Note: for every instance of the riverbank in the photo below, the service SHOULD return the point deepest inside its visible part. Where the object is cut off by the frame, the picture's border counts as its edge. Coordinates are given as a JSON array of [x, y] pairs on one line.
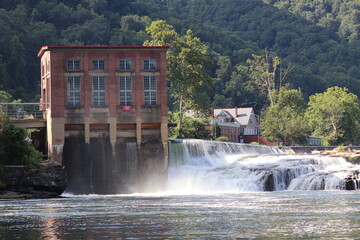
[[46, 180]]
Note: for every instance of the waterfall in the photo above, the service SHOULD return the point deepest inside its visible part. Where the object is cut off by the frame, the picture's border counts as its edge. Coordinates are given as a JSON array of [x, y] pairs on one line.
[[131, 165], [210, 166]]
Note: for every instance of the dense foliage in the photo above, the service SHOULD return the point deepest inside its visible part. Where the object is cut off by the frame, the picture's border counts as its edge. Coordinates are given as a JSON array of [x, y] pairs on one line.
[[318, 40], [284, 121], [335, 116], [187, 61], [192, 127], [15, 149]]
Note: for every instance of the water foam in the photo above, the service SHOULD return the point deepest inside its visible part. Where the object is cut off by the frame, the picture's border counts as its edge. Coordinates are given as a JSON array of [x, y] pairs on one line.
[[208, 166]]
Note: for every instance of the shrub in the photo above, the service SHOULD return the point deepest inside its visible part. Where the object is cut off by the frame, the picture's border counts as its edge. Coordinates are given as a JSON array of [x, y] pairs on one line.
[[15, 149], [222, 138]]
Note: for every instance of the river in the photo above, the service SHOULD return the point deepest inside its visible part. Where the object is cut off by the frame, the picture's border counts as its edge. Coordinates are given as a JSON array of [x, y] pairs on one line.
[[214, 191], [264, 215]]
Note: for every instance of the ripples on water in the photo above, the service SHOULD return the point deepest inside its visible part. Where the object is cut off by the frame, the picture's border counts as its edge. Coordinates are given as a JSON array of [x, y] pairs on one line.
[[265, 215], [184, 215]]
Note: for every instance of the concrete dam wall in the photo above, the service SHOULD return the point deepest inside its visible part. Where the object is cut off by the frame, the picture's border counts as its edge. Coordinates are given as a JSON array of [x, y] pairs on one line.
[[98, 168]]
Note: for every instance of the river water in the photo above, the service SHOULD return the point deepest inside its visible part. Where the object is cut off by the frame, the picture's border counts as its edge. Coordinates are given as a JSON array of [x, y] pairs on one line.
[[214, 191], [261, 215]]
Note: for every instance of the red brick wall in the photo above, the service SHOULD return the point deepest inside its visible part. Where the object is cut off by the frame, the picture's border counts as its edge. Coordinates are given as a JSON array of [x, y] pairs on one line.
[[58, 91], [231, 133], [259, 139]]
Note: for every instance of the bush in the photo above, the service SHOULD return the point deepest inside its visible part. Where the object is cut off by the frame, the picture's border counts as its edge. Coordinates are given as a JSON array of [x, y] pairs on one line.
[[191, 127], [15, 149], [342, 149], [222, 138]]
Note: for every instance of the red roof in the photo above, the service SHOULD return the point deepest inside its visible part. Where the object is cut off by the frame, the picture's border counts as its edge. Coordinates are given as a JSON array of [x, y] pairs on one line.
[[47, 48]]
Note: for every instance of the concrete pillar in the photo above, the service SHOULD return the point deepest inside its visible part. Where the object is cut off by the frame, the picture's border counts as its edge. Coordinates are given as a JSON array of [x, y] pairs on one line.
[[87, 130], [138, 130], [55, 137], [165, 140], [112, 132]]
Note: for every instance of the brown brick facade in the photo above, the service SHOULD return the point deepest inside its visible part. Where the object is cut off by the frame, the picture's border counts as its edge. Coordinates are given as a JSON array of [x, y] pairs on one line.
[[110, 118]]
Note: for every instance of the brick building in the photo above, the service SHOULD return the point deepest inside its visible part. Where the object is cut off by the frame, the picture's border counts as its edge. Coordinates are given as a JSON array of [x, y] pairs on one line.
[[237, 124], [115, 92]]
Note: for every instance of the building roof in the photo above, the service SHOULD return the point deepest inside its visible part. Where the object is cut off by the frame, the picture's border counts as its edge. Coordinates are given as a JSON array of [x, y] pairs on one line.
[[225, 113], [242, 116], [47, 48]]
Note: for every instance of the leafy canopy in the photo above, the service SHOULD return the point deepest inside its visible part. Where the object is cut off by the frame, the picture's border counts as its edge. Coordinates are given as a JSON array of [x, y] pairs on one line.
[[188, 60], [283, 121], [192, 127], [335, 115]]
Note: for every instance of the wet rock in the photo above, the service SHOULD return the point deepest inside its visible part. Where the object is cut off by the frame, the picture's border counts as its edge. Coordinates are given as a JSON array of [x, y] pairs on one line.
[[352, 182], [40, 182], [267, 180]]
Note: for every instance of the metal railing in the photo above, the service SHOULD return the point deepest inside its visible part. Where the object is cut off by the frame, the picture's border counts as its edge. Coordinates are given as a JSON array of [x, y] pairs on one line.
[[17, 111]]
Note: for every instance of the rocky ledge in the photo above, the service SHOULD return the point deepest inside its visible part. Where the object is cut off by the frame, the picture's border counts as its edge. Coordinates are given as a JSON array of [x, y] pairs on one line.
[[350, 154], [20, 182]]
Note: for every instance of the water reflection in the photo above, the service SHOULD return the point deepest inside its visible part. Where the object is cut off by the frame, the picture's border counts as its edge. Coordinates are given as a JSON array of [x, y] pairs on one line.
[[49, 228], [266, 215]]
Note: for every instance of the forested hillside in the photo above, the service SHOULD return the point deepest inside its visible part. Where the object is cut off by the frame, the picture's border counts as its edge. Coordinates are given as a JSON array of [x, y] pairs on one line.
[[319, 39]]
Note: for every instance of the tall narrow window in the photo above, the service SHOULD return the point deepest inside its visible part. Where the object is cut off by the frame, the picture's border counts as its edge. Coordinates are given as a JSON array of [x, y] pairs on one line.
[[98, 65], [125, 91], [150, 90], [73, 65], [150, 64], [73, 93], [125, 65], [98, 88]]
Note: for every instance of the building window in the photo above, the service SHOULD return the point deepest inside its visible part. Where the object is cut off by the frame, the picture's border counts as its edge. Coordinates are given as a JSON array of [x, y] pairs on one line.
[[98, 65], [125, 65], [150, 64], [73, 65], [125, 91], [150, 90], [98, 88], [73, 87]]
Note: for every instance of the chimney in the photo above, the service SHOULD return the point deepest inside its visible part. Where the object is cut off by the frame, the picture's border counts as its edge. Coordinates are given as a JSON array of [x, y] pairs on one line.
[[236, 112]]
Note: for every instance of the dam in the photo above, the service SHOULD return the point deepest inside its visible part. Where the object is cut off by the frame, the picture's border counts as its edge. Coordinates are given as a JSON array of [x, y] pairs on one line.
[[208, 166], [203, 167]]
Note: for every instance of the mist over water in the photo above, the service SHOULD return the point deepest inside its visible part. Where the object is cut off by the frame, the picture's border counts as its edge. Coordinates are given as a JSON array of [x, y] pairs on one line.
[[214, 191]]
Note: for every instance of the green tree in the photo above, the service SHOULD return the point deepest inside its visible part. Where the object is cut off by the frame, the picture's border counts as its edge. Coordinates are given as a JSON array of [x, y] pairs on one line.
[[15, 149], [284, 121], [335, 115], [5, 97], [192, 127], [131, 31], [264, 72], [243, 90], [188, 60]]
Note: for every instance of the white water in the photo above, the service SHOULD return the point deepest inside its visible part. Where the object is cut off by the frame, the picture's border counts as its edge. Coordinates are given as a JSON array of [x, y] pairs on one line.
[[205, 166]]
